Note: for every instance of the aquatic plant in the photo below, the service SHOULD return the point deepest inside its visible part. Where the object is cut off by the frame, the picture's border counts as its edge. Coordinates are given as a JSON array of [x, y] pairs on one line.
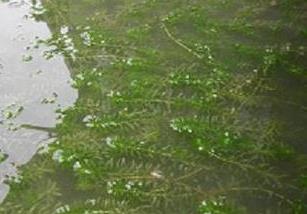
[[167, 117]]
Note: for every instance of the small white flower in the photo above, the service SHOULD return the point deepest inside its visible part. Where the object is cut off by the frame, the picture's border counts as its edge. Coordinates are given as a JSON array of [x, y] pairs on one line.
[[64, 30], [76, 165], [86, 37], [80, 76], [110, 94], [67, 208], [63, 209], [129, 61], [131, 183], [128, 186], [108, 140], [91, 201], [88, 118], [58, 156]]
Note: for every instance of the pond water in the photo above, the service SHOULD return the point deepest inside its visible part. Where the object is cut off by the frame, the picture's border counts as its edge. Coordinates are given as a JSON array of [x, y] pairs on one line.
[[31, 87], [192, 107]]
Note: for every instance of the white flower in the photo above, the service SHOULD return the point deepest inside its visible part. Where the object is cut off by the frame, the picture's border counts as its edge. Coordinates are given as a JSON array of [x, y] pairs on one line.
[[86, 38], [109, 184], [128, 186], [88, 118], [80, 76], [76, 165], [58, 156], [129, 61], [204, 203], [110, 94], [131, 183], [64, 30], [91, 201], [63, 209]]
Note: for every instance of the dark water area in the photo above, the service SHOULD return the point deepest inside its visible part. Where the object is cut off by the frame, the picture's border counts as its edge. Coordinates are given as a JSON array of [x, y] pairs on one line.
[[290, 108]]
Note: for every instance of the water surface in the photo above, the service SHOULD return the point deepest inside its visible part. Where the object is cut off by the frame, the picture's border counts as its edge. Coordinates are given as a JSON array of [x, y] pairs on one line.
[[28, 82], [198, 102]]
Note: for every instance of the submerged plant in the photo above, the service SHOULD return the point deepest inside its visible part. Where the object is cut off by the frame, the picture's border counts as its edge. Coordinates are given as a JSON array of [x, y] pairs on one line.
[[167, 116]]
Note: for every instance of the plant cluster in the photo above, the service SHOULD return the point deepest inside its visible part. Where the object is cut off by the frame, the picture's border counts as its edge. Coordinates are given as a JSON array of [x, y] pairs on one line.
[[166, 120]]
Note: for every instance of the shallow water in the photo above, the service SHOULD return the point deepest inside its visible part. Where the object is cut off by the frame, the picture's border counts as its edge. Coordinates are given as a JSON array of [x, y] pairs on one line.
[[26, 85], [275, 113]]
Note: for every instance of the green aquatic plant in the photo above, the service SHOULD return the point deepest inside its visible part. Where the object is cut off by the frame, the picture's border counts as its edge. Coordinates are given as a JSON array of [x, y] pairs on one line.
[[167, 119], [3, 156], [11, 111]]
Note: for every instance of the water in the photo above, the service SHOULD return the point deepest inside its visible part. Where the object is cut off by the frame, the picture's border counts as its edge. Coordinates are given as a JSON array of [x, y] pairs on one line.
[[38, 86], [271, 120]]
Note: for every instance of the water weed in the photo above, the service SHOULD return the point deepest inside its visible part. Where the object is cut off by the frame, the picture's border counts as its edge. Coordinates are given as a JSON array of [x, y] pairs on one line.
[[171, 115]]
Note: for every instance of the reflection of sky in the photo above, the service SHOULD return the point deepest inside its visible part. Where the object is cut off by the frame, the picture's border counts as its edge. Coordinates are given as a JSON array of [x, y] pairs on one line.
[[27, 84]]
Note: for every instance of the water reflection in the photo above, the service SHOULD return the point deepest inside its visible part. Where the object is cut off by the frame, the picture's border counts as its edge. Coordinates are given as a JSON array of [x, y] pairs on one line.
[[38, 86]]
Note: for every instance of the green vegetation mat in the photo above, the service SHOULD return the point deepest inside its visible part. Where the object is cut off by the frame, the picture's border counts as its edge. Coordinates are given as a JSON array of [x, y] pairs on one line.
[[174, 114]]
